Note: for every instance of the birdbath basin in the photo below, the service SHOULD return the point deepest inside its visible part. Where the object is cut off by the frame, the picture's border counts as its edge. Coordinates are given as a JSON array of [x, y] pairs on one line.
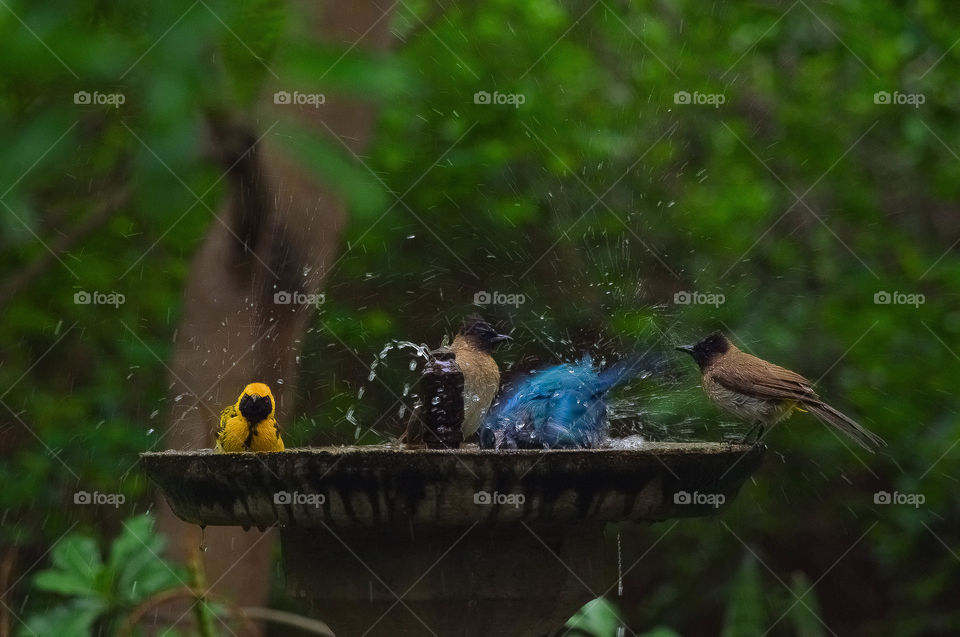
[[393, 541]]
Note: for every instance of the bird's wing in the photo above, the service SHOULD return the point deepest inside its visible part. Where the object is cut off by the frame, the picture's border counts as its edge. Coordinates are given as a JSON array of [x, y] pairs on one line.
[[746, 374], [226, 414], [232, 437]]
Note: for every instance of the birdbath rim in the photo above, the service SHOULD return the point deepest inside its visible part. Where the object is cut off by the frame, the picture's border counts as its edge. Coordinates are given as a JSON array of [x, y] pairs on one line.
[[371, 486]]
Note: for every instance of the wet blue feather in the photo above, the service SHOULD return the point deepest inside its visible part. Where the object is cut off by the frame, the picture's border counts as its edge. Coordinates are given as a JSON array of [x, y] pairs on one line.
[[560, 407]]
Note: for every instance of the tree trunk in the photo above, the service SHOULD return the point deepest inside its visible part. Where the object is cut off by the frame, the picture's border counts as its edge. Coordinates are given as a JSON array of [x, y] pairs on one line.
[[278, 231]]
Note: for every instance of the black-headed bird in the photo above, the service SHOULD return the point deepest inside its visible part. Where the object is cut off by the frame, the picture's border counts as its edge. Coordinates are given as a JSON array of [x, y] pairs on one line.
[[561, 407], [762, 393], [250, 424], [472, 348]]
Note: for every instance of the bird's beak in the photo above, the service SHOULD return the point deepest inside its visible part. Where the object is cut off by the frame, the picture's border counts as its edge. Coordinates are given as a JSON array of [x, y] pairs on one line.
[[499, 338], [685, 348]]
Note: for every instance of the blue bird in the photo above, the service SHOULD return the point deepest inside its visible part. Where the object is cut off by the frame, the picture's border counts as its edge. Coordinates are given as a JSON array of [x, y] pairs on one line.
[[561, 407]]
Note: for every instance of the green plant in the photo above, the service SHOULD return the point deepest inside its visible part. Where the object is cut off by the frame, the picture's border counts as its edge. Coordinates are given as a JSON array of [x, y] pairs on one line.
[[748, 611], [100, 593]]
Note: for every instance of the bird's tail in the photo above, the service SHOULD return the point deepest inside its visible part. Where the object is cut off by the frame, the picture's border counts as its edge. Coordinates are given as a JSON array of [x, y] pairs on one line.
[[625, 370], [866, 439]]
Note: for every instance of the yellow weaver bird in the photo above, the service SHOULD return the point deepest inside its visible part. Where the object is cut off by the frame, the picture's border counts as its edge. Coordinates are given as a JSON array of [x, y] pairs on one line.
[[250, 424]]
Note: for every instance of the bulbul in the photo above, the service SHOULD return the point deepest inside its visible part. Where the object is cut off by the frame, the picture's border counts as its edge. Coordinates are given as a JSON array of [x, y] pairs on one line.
[[472, 348], [250, 423], [561, 407], [763, 393]]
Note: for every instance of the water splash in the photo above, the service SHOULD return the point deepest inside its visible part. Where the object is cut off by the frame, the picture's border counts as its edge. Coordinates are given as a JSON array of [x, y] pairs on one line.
[[419, 351]]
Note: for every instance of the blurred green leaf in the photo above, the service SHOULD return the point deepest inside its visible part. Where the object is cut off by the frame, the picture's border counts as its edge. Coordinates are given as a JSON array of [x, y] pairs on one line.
[[745, 614], [597, 618], [804, 614]]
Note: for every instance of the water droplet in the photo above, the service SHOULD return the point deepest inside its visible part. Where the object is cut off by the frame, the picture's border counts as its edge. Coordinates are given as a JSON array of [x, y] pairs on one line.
[[619, 566]]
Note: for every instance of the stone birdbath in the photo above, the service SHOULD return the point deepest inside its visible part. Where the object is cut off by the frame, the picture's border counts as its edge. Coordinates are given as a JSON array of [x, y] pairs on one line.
[[466, 542]]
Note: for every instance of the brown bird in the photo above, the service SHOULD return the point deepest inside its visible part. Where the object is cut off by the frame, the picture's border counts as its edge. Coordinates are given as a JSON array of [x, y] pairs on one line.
[[472, 348], [481, 376], [763, 393]]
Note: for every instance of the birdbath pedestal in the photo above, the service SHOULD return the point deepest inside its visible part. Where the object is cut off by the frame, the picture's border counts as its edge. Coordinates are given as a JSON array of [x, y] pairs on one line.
[[467, 542]]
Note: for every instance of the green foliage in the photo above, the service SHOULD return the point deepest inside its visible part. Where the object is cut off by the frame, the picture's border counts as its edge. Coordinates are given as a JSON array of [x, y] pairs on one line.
[[804, 610], [101, 592], [598, 618], [115, 199], [503, 198], [704, 204], [745, 614]]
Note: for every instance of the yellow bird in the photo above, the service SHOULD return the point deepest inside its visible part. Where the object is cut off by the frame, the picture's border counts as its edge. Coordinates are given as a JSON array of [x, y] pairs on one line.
[[250, 424]]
